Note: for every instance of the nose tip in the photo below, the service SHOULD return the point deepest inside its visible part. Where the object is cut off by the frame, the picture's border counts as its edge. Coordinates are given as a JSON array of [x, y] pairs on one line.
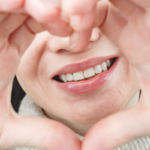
[[59, 43]]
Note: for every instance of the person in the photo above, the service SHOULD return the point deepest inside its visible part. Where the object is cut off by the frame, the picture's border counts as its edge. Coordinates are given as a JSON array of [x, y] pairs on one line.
[[117, 52]]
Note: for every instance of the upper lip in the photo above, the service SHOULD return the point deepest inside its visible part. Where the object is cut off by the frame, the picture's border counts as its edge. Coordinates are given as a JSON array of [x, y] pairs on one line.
[[83, 65]]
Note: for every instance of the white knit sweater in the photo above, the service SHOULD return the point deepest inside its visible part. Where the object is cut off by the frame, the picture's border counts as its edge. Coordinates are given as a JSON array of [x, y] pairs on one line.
[[29, 108]]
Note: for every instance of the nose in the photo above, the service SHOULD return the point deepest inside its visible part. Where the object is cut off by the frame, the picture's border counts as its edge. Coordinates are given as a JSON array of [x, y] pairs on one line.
[[63, 43]]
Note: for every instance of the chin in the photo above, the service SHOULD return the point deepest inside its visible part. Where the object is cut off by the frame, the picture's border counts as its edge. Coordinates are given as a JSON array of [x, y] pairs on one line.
[[87, 109]]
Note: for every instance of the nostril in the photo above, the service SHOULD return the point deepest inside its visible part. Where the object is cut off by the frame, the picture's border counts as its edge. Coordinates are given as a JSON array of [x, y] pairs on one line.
[[58, 43], [63, 51]]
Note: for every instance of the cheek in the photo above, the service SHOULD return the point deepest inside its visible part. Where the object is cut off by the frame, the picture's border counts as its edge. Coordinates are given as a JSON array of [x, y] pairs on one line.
[[108, 100]]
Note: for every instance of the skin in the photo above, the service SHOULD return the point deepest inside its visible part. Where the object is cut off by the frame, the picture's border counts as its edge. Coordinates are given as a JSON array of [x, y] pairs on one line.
[[73, 110], [130, 20], [19, 20]]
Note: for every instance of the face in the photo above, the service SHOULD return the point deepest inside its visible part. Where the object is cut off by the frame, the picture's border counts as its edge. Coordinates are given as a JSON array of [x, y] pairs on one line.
[[94, 93]]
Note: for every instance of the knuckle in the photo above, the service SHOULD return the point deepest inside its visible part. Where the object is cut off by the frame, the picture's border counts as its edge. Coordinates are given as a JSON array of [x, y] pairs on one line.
[[50, 140]]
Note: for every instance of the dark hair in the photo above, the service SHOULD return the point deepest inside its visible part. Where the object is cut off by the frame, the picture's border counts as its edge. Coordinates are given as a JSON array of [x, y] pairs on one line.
[[16, 95]]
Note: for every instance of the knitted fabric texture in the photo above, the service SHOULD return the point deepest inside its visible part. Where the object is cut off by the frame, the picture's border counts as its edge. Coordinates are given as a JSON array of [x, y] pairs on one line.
[[29, 108]]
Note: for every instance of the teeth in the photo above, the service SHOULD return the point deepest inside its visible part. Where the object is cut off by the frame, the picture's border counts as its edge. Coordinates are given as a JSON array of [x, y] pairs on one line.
[[85, 74], [108, 63], [104, 66], [78, 76], [69, 77], [89, 73], [63, 78], [98, 69]]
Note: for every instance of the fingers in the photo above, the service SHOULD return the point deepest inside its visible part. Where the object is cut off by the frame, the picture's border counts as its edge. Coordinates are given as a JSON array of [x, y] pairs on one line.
[[82, 22], [58, 27], [43, 12], [27, 32], [117, 130], [8, 58], [32, 132], [79, 40], [75, 7], [10, 5], [130, 34], [49, 14], [9, 25], [38, 133], [15, 38], [33, 26], [111, 21]]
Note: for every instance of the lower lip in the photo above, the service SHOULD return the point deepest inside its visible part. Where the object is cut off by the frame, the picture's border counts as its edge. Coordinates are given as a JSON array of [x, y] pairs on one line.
[[90, 85]]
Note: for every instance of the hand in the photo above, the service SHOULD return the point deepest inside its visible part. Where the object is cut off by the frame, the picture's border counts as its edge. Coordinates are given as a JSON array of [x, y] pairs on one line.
[[81, 19], [17, 31], [130, 21]]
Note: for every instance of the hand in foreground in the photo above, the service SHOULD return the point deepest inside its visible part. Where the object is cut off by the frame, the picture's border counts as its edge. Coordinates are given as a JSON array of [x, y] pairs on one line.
[[130, 19], [17, 31]]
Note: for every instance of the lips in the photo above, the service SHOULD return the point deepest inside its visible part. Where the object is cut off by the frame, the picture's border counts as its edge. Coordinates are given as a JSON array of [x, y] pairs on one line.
[[85, 86]]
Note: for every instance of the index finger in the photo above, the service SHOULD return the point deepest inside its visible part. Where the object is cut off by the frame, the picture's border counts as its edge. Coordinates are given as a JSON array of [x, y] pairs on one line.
[[73, 7], [38, 133], [119, 129]]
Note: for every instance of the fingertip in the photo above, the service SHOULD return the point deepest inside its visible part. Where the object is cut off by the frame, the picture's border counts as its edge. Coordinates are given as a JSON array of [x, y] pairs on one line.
[[57, 133], [42, 12], [89, 139], [73, 7], [47, 15], [82, 22], [80, 40]]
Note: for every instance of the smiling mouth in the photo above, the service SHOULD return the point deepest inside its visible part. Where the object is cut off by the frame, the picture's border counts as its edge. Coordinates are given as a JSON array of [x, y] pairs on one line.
[[85, 74]]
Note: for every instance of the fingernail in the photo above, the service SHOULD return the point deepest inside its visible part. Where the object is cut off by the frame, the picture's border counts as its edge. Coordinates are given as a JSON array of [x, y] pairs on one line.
[[74, 37], [75, 19], [69, 29], [95, 35], [72, 46], [64, 17]]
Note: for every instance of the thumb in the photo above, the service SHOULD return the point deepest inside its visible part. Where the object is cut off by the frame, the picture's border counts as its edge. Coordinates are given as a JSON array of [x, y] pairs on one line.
[[38, 133], [118, 129]]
